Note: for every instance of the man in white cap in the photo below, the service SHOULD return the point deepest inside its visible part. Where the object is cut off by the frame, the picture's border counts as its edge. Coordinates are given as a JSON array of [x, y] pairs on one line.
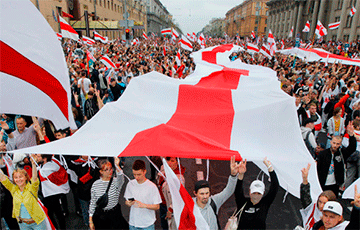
[[256, 207], [332, 218]]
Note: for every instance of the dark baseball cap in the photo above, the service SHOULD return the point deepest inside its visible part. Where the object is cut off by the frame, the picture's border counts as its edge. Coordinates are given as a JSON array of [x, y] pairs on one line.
[[201, 184]]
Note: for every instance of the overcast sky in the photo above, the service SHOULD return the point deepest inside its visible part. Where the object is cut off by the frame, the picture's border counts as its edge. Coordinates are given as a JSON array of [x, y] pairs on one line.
[[193, 15]]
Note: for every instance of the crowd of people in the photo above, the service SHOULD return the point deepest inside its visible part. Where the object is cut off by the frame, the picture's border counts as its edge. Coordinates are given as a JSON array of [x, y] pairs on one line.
[[327, 98]]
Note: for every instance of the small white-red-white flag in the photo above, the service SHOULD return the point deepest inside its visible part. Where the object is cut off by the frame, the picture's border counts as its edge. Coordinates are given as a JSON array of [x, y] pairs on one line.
[[153, 34], [186, 214], [282, 44], [67, 31], [333, 26], [320, 30], [270, 39], [352, 11], [185, 43], [135, 42], [265, 50], [88, 40], [178, 58], [291, 32], [59, 36], [307, 27], [252, 48], [144, 36], [201, 40], [175, 34], [308, 45], [166, 31], [253, 36], [98, 37], [193, 37], [107, 62]]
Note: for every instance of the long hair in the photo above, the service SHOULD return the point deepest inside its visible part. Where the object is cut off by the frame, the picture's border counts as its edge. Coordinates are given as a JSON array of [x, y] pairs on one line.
[[22, 171]]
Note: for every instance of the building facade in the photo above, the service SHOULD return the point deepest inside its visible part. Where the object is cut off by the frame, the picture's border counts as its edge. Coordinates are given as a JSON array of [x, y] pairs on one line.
[[246, 17], [158, 17], [215, 28], [286, 14], [104, 15]]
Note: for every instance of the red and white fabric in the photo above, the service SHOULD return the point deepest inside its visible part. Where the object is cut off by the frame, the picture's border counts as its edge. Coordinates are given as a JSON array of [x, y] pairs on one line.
[[48, 223], [59, 36], [265, 50], [54, 178], [185, 43], [210, 126], [135, 42], [310, 215], [291, 32], [272, 43], [321, 55], [307, 27], [282, 44], [88, 40], [166, 31], [66, 15], [333, 26], [67, 31], [164, 51], [99, 37], [201, 40], [193, 37], [107, 62], [252, 48], [174, 33], [317, 123], [186, 214], [349, 192], [145, 36], [352, 11], [28, 67], [178, 58], [308, 45], [89, 56], [320, 30], [253, 36]]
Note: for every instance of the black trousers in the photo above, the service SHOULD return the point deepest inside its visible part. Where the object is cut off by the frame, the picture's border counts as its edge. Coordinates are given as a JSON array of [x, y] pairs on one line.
[[52, 203], [111, 219]]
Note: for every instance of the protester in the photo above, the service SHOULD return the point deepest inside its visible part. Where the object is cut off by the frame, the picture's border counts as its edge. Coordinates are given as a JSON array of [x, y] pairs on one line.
[[25, 193], [110, 216], [308, 136], [256, 207], [209, 205], [143, 198]]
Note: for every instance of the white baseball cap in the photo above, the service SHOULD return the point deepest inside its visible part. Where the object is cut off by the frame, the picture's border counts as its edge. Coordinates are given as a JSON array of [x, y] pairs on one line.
[[334, 207], [257, 186]]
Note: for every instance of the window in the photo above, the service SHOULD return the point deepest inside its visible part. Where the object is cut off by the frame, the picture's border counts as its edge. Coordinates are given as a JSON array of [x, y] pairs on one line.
[[346, 38], [340, 4], [265, 20], [100, 2], [348, 21], [334, 37], [265, 29], [256, 22], [337, 19], [257, 13], [255, 29]]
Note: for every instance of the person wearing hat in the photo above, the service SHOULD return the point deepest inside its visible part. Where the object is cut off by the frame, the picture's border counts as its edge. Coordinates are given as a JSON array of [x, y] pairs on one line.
[[209, 205], [332, 218], [255, 207]]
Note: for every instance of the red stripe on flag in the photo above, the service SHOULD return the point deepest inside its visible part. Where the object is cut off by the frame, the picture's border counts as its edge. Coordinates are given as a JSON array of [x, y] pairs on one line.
[[26, 70], [208, 132], [187, 218], [210, 56], [67, 27]]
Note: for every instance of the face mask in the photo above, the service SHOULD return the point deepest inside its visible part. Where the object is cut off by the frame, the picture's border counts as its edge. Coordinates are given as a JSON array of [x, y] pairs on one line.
[[255, 198]]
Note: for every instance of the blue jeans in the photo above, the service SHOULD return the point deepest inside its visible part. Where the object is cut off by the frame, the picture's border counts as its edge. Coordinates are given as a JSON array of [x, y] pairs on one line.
[[151, 227], [85, 210], [33, 226]]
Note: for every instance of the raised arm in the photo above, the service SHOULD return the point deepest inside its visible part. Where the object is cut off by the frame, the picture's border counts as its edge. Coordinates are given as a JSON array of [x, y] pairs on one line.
[[274, 187], [305, 196], [33, 168]]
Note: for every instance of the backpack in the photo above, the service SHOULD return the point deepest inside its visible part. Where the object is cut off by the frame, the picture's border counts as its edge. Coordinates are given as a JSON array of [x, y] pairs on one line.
[[309, 146]]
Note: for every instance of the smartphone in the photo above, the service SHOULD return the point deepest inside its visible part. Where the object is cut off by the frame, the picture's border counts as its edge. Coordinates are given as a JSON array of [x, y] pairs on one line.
[[131, 199]]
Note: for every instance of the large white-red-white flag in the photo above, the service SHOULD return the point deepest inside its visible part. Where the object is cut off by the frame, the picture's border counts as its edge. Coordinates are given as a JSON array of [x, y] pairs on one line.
[[186, 214], [196, 128], [352, 11], [307, 27], [99, 37], [333, 26], [67, 31], [107, 62], [320, 30], [33, 80], [174, 33], [185, 43]]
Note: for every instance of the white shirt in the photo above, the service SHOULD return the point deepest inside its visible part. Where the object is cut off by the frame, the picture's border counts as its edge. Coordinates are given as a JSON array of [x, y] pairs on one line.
[[146, 193], [87, 83]]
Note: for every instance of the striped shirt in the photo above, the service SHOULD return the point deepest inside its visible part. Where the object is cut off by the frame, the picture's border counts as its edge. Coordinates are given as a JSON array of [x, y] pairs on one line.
[[99, 188]]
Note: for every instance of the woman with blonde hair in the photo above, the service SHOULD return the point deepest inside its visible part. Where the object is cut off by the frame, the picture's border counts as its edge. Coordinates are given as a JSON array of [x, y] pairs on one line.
[[24, 190]]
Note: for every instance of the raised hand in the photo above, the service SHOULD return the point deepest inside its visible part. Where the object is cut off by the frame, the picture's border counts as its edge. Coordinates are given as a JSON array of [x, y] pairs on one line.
[[268, 164], [4, 125], [305, 174], [233, 166], [242, 167]]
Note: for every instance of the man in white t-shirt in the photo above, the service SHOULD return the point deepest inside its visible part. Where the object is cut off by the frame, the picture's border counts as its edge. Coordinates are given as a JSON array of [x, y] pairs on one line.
[[143, 198]]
